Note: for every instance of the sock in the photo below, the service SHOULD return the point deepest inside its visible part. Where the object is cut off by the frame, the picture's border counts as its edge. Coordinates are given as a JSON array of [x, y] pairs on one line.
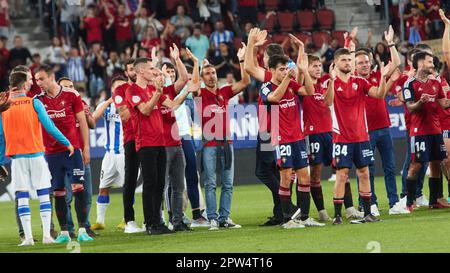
[[304, 200], [80, 207], [196, 214], [24, 213], [317, 195], [348, 199], [366, 199], [61, 208], [45, 211], [338, 206], [440, 189], [102, 206], [411, 185], [433, 183], [285, 198]]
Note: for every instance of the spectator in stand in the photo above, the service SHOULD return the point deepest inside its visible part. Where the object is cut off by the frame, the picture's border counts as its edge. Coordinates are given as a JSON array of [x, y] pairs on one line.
[[415, 25], [70, 20], [36, 63], [4, 18], [16, 8], [214, 9], [436, 26], [114, 66], [96, 63], [198, 43], [382, 54], [150, 39], [56, 55], [123, 25], [168, 38], [18, 55], [108, 10], [225, 63], [4, 55], [328, 56], [182, 23], [75, 66], [248, 11], [220, 35], [142, 21], [93, 25]]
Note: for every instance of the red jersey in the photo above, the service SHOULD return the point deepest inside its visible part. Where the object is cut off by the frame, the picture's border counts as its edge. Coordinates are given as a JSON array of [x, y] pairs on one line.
[[119, 98], [93, 29], [376, 109], [316, 113], [215, 121], [171, 132], [148, 129], [62, 110], [426, 120], [267, 75], [444, 114], [348, 111], [288, 110], [123, 25]]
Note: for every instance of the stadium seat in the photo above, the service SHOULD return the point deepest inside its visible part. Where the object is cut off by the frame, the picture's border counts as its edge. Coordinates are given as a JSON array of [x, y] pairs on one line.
[[271, 4], [325, 19], [286, 21], [339, 35], [319, 36], [270, 25], [306, 20], [279, 39], [303, 36]]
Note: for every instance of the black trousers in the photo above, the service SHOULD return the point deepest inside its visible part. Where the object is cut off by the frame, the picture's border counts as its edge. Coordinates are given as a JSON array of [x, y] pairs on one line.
[[131, 175], [153, 162]]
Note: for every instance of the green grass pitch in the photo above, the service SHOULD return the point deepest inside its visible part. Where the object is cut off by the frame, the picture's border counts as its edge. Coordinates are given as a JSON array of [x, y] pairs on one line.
[[423, 231]]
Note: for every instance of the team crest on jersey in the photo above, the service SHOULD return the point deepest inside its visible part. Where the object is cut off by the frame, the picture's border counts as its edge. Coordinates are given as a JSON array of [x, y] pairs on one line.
[[136, 99], [337, 160], [118, 99], [63, 103], [283, 159], [339, 89], [355, 86]]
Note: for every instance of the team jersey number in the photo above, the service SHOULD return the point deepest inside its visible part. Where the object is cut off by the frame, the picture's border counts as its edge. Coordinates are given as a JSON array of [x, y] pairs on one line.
[[340, 150], [315, 147], [284, 150], [420, 146]]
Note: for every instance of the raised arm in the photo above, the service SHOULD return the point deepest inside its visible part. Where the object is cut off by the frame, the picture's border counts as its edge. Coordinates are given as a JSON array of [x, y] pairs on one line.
[[381, 91], [182, 72], [250, 65], [237, 87], [308, 88], [101, 109], [329, 96], [395, 58], [194, 83], [275, 96], [446, 37]]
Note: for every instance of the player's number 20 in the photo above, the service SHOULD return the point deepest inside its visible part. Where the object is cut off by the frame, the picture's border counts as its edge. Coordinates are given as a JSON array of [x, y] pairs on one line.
[[285, 150]]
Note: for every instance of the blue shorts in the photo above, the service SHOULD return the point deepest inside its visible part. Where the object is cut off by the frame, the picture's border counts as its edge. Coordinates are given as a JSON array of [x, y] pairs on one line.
[[292, 155], [359, 153], [320, 148], [428, 148], [61, 164]]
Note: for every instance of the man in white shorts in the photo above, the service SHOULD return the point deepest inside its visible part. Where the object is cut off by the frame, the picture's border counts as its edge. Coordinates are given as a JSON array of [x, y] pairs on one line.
[[20, 129], [113, 165]]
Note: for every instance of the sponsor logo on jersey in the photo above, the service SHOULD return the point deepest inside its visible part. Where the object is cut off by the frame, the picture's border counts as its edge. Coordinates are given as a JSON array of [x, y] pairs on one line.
[[56, 114], [287, 103], [319, 97], [355, 86]]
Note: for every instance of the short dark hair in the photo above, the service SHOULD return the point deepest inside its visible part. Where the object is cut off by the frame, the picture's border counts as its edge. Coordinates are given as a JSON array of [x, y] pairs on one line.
[[141, 60], [360, 52], [130, 61], [21, 68], [118, 78], [340, 52], [169, 65], [46, 68], [277, 59], [189, 69], [437, 64], [197, 26], [64, 79], [17, 79], [274, 49], [206, 66], [411, 53], [364, 49], [312, 58], [423, 47], [419, 56]]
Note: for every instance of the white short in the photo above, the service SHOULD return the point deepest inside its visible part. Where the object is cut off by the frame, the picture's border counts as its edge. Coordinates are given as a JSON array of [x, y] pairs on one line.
[[30, 174], [113, 171]]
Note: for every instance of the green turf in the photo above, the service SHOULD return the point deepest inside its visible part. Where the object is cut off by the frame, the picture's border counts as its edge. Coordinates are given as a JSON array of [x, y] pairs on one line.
[[423, 231]]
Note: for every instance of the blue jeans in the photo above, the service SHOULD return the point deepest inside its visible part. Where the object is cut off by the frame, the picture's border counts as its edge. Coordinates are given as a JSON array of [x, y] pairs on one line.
[[87, 190], [381, 139], [420, 174], [209, 159]]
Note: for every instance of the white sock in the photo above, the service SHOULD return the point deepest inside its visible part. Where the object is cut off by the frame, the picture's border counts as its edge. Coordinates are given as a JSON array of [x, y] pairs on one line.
[[102, 206], [24, 213], [45, 211], [81, 230]]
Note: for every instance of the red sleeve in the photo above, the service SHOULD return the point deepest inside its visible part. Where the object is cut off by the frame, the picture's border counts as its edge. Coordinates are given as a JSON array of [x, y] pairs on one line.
[[294, 85], [365, 85], [78, 104], [119, 95], [441, 94], [162, 98], [169, 91], [226, 91], [134, 97], [267, 76]]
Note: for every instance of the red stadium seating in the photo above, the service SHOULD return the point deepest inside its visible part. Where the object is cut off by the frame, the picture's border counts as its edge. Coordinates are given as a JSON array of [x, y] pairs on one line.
[[286, 21], [271, 4], [171, 5], [280, 38], [306, 20], [325, 19], [303, 36], [319, 36], [270, 25], [339, 35]]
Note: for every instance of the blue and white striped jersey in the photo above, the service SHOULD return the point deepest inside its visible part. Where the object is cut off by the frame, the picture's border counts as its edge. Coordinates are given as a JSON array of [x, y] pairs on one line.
[[113, 127]]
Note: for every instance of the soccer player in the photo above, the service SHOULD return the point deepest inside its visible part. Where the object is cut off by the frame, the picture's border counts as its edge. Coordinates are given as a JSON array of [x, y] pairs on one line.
[[24, 144], [132, 162], [145, 98], [350, 135], [378, 123], [422, 96], [64, 107], [217, 143], [113, 163], [287, 135]]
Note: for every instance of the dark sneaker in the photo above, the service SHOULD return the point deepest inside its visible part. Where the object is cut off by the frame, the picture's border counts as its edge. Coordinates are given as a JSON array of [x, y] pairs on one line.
[[272, 222], [182, 227], [159, 230], [337, 220], [229, 224], [368, 219], [91, 233], [72, 235], [3, 173]]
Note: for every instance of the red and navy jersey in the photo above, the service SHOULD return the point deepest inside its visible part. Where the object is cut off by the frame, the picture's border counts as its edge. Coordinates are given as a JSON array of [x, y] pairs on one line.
[[171, 131], [62, 110], [376, 109], [348, 110], [316, 113], [426, 120], [119, 98], [288, 128], [444, 114]]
